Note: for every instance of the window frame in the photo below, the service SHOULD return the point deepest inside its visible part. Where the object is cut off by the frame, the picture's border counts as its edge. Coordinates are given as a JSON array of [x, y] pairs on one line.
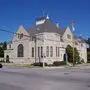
[[20, 50], [51, 51], [33, 51], [47, 51]]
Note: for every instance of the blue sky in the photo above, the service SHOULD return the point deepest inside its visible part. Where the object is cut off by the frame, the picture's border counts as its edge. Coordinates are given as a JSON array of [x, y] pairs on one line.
[[23, 12]]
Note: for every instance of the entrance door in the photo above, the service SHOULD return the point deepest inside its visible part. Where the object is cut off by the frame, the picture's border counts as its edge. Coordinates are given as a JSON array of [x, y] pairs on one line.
[[7, 59], [64, 57]]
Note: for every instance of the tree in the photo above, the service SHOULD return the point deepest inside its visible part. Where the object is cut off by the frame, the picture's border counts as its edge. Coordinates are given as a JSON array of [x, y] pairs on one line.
[[2, 48], [1, 52], [88, 55], [88, 42], [69, 51], [88, 50]]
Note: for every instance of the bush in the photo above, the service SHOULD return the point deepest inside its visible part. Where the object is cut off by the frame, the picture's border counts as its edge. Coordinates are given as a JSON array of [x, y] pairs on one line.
[[78, 62], [59, 63], [7, 61], [88, 61], [82, 61], [1, 65], [39, 64], [2, 61], [50, 65]]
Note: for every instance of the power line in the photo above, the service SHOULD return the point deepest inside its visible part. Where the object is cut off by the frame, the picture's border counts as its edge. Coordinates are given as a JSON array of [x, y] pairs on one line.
[[34, 37], [6, 31], [13, 32]]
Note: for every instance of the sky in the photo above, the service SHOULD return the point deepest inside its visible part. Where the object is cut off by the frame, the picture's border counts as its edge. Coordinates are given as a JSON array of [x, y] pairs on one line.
[[14, 13]]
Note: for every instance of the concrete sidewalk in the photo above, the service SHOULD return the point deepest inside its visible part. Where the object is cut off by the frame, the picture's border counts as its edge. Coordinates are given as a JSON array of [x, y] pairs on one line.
[[17, 66]]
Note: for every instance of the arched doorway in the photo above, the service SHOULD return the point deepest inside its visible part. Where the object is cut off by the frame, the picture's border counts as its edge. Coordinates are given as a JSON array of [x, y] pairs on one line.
[[64, 57], [7, 59]]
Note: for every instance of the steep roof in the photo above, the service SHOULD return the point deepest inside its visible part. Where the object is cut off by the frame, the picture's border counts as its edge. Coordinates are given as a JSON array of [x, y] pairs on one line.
[[79, 39], [47, 26], [82, 40]]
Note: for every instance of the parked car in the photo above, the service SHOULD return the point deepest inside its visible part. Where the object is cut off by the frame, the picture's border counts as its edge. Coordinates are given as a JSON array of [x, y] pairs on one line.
[[1, 65]]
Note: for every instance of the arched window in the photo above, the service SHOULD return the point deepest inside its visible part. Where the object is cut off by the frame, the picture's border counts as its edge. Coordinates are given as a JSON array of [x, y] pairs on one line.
[[20, 50]]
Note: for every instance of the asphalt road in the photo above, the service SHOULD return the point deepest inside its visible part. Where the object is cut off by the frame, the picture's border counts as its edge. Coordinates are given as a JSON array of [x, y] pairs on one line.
[[45, 79]]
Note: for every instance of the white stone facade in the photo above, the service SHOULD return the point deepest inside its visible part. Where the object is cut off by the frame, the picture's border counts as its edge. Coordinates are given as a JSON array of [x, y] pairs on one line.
[[50, 40]]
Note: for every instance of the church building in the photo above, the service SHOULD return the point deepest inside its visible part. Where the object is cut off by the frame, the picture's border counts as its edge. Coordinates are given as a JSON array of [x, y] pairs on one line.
[[44, 42]]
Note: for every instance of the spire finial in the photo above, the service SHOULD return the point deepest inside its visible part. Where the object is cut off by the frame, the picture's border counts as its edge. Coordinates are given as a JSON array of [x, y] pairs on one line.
[[47, 17]]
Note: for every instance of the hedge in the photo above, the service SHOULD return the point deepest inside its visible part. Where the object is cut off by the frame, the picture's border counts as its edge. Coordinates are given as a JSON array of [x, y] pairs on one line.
[[39, 64], [59, 63]]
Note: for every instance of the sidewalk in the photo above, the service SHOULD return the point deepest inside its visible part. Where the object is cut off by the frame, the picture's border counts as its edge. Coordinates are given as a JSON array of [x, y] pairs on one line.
[[81, 66], [21, 66]]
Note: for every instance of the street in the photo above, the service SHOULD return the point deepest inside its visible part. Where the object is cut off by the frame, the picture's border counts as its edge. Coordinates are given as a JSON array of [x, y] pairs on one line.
[[45, 79]]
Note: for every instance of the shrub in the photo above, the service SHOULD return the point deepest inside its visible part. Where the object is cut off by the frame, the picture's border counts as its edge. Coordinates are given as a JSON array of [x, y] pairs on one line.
[[59, 63], [78, 62], [50, 65], [82, 61], [2, 61], [39, 64], [88, 61], [7, 61]]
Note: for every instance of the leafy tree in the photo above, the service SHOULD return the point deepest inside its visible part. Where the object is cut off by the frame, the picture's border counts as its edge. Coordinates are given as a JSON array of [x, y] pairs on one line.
[[1, 52], [69, 51], [3, 46], [88, 42], [88, 55], [88, 50]]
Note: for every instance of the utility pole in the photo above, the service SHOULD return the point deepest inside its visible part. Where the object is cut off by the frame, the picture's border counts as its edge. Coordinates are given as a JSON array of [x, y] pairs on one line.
[[73, 29], [73, 54]]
